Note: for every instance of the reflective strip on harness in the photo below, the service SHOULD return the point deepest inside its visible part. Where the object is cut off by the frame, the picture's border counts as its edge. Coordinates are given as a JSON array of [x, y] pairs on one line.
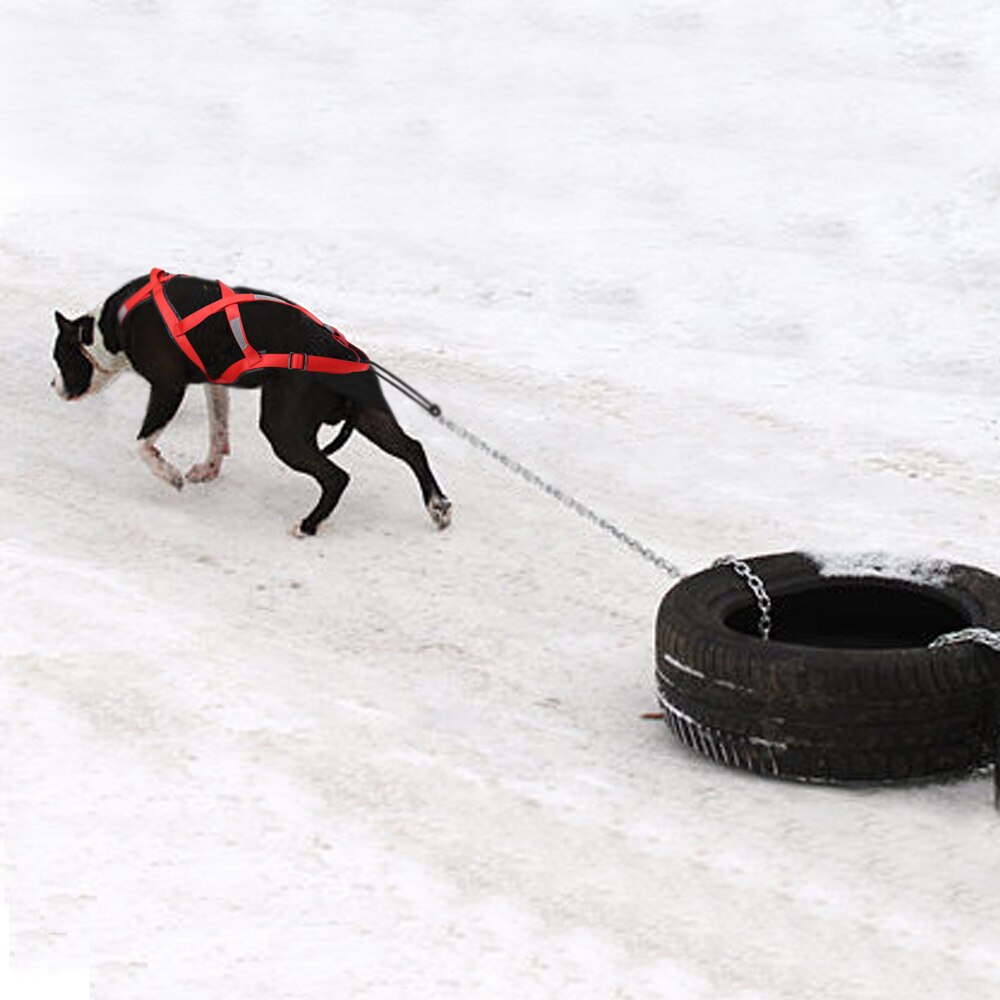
[[236, 325], [230, 301]]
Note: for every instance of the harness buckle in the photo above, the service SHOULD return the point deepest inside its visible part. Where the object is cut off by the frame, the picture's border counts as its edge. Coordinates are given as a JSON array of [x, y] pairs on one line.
[[297, 362]]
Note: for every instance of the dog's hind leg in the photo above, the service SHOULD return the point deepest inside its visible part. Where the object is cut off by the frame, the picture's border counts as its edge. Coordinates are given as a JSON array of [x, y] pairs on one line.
[[382, 429], [289, 425], [164, 401], [217, 399]]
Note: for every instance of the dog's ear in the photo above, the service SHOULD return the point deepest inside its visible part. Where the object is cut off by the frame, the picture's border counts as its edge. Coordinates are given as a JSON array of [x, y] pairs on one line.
[[81, 329]]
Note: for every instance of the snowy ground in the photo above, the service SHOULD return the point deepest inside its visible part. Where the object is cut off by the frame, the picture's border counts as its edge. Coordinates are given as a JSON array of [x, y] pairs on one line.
[[729, 272]]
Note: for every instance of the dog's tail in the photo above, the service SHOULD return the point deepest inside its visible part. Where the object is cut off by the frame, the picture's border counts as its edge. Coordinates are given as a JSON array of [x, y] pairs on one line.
[[342, 435]]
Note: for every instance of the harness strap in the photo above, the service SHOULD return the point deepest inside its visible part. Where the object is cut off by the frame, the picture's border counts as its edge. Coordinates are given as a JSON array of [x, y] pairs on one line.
[[230, 302]]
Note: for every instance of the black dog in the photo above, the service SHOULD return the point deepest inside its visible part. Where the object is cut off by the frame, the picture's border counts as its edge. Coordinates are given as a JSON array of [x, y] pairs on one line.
[[133, 329]]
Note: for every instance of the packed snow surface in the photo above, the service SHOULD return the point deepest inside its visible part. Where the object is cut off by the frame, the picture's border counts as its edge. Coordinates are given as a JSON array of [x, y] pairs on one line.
[[889, 565], [727, 272]]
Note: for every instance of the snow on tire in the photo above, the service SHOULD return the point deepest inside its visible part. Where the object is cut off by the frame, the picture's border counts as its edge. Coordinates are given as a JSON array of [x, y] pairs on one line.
[[845, 689]]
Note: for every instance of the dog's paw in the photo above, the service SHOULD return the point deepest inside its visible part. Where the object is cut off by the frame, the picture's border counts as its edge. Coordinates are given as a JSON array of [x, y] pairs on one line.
[[158, 465], [440, 511], [203, 472], [298, 530], [172, 476]]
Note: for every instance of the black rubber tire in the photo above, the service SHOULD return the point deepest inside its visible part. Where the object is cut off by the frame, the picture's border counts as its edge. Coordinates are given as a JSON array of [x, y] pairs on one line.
[[845, 690]]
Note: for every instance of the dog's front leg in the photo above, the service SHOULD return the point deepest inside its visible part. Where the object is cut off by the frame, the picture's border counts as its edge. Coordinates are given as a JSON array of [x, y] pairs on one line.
[[217, 397], [163, 404]]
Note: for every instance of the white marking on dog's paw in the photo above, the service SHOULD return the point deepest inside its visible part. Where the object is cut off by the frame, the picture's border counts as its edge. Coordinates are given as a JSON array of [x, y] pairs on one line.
[[158, 465], [440, 511], [202, 472], [173, 476], [296, 531]]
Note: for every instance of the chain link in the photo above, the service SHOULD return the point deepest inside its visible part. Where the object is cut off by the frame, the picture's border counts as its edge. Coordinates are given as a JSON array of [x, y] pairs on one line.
[[757, 588], [565, 499], [983, 636]]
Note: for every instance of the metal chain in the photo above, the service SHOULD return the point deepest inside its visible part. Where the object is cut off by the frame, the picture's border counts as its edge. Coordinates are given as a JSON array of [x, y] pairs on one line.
[[983, 636], [565, 499], [525, 473], [757, 588]]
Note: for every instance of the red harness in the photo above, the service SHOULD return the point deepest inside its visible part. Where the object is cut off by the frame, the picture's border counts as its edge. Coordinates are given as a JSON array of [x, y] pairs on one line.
[[230, 302]]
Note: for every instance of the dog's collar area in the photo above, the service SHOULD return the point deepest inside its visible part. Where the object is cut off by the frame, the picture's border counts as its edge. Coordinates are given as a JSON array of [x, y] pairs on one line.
[[105, 362], [89, 355], [230, 302]]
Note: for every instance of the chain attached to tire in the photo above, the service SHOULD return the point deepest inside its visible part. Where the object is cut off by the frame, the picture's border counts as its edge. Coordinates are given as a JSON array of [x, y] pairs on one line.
[[619, 534], [757, 588], [982, 636], [650, 555]]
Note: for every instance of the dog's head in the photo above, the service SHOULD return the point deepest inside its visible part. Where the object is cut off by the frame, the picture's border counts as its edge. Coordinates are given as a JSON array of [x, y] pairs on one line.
[[85, 364]]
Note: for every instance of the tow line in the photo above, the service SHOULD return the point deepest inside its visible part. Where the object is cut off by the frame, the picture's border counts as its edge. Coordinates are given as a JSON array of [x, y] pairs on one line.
[[566, 499]]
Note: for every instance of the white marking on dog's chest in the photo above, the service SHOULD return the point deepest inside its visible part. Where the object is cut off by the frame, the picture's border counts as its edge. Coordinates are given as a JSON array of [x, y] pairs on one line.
[[107, 364]]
